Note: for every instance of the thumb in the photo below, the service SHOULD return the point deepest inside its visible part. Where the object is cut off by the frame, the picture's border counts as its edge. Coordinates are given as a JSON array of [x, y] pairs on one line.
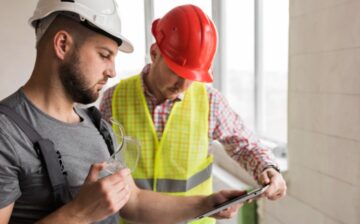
[[265, 178], [94, 172]]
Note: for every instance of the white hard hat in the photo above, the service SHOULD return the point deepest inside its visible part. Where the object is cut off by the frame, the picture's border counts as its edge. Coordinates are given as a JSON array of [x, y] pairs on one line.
[[103, 14]]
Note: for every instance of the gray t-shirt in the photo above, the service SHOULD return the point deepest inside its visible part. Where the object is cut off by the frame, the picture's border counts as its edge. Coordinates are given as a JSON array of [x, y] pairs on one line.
[[22, 177]]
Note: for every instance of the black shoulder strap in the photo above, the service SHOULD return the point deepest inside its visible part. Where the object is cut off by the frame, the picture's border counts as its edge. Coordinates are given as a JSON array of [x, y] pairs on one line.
[[21, 123], [100, 124], [49, 156]]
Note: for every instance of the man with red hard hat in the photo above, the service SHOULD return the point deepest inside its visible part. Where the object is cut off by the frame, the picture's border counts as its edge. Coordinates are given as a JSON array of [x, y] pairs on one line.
[[176, 116]]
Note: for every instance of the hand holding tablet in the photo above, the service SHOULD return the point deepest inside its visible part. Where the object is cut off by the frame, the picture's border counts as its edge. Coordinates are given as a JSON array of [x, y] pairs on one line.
[[239, 199]]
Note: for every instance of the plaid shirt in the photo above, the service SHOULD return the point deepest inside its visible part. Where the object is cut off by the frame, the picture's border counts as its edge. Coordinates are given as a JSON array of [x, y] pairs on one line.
[[225, 126]]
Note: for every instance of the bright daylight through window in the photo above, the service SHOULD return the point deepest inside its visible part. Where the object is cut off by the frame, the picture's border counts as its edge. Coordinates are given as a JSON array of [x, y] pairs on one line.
[[252, 55]]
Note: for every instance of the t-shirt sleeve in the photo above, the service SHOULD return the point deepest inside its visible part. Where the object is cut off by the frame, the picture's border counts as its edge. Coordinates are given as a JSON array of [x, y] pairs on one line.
[[9, 171]]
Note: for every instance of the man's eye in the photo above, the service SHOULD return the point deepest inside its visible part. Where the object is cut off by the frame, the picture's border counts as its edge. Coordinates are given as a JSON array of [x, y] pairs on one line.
[[105, 56]]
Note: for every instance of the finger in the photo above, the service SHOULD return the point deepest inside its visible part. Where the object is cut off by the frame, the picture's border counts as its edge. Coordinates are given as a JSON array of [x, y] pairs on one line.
[[228, 212], [274, 197], [279, 194], [225, 214], [272, 192], [119, 176], [232, 213], [123, 201], [264, 178], [114, 202], [124, 172], [94, 172], [235, 208], [277, 188], [119, 187], [114, 196], [119, 180], [274, 187], [122, 197]]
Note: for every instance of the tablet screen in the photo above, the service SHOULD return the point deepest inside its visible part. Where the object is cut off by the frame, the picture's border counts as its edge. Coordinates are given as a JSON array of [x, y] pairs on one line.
[[238, 199]]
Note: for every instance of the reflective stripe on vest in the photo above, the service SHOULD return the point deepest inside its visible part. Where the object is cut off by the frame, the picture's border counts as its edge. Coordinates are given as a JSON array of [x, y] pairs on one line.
[[171, 185]]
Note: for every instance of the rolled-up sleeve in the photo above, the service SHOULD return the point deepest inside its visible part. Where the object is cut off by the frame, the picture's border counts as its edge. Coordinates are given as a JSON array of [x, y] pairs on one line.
[[240, 143]]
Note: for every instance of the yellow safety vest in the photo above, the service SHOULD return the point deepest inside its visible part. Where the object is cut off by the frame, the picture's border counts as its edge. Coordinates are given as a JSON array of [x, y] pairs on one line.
[[180, 163]]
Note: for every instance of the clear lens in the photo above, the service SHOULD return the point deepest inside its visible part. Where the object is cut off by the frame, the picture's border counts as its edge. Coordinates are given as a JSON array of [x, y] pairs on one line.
[[119, 134], [127, 150]]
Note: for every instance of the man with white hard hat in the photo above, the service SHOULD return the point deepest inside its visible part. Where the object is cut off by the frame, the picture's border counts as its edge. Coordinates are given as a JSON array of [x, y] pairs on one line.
[[51, 149]]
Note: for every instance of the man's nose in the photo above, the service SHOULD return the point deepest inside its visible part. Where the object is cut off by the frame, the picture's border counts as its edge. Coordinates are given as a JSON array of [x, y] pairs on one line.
[[110, 72]]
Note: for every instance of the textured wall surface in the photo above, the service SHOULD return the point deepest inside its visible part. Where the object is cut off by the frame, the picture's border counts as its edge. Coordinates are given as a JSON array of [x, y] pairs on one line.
[[324, 116]]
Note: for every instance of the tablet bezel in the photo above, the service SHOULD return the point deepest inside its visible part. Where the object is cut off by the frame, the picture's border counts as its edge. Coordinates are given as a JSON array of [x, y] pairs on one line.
[[238, 199]]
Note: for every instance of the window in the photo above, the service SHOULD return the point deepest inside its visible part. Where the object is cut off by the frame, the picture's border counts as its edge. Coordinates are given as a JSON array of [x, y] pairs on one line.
[[254, 65], [238, 53], [161, 7], [132, 12], [251, 61], [275, 70]]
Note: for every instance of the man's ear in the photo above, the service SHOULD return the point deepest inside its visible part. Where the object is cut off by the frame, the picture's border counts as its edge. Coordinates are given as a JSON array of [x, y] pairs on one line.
[[154, 52], [62, 44]]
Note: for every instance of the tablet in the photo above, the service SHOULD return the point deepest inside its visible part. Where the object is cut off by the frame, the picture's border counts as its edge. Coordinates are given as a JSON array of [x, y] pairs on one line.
[[238, 199]]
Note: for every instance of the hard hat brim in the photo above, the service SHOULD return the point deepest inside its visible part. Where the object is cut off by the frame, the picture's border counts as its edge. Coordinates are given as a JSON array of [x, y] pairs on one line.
[[126, 45], [190, 74]]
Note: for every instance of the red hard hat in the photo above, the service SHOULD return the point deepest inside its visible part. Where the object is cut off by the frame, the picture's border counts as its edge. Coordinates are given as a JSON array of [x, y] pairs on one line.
[[187, 40]]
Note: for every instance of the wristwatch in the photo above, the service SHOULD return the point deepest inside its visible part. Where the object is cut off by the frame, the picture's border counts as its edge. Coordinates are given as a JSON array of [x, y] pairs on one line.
[[274, 167]]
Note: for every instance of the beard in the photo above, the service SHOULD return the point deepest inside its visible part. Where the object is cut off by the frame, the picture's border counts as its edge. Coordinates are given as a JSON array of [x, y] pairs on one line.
[[73, 81]]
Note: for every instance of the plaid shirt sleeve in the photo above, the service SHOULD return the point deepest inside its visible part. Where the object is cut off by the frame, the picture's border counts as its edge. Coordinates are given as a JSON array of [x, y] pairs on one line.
[[239, 142], [106, 105]]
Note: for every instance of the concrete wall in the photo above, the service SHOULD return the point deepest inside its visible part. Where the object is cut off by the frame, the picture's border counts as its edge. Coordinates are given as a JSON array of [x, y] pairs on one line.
[[324, 116], [17, 40]]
